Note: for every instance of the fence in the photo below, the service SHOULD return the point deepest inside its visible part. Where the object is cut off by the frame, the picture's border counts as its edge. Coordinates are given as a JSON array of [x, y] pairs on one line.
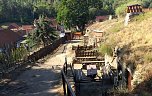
[[85, 53], [66, 85], [82, 47], [7, 67], [46, 50]]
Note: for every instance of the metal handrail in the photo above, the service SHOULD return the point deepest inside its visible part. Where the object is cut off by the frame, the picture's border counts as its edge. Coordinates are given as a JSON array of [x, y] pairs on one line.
[[69, 91]]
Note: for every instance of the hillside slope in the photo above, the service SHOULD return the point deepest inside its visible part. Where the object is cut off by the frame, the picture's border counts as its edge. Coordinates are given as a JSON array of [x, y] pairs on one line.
[[136, 42]]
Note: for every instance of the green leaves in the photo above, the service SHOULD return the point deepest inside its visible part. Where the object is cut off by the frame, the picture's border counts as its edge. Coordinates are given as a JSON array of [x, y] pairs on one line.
[[77, 13], [106, 49], [25, 11], [43, 32], [147, 3], [73, 13]]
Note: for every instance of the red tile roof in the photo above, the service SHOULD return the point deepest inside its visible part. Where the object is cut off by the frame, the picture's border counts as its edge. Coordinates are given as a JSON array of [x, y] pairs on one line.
[[13, 26], [53, 22], [27, 28], [8, 36]]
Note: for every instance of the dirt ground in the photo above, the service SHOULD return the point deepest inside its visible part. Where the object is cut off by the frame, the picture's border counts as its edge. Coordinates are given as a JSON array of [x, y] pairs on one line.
[[43, 79]]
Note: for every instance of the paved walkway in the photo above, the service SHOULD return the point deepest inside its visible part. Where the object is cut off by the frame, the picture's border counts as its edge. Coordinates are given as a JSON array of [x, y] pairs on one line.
[[43, 79]]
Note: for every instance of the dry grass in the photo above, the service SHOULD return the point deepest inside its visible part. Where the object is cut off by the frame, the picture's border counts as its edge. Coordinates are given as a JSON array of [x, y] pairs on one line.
[[148, 57], [135, 40], [118, 26], [137, 36]]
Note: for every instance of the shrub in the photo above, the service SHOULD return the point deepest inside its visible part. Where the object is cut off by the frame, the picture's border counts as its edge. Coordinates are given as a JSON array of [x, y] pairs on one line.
[[146, 3], [150, 6], [142, 17], [106, 49], [121, 10]]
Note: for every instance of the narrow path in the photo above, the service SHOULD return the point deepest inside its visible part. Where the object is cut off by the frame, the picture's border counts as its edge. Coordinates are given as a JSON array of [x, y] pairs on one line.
[[43, 79]]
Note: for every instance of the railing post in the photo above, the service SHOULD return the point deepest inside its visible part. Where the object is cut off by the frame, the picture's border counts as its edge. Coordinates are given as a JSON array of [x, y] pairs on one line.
[[64, 87], [77, 88], [66, 65], [129, 81], [64, 68], [68, 91]]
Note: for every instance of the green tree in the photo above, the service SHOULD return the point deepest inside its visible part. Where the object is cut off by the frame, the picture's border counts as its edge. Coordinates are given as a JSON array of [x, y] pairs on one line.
[[43, 32], [24, 10], [147, 3], [73, 13], [92, 13]]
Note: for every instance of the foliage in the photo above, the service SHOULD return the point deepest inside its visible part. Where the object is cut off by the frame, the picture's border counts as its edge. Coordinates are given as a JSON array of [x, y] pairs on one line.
[[72, 13], [147, 3], [150, 6], [121, 9], [106, 49], [12, 55], [45, 9], [24, 11], [142, 17], [43, 32], [93, 12]]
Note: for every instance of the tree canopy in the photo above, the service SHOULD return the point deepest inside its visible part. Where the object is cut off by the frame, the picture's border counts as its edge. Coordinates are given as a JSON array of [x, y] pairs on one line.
[[25, 11], [78, 12], [70, 12], [73, 13], [43, 33]]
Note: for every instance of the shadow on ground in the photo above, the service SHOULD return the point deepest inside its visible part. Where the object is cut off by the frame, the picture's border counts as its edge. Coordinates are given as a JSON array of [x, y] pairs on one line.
[[35, 82]]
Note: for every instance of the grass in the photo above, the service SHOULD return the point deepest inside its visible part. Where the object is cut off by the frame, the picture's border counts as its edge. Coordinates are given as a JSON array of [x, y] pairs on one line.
[[106, 49], [148, 57], [117, 27], [142, 17], [135, 40], [121, 10], [15, 55]]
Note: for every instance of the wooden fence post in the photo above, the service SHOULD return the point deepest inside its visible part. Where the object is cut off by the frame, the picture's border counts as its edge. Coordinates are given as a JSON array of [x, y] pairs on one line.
[[129, 81]]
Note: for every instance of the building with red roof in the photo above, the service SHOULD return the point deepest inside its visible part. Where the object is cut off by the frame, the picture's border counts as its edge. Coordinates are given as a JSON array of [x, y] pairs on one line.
[[8, 36], [27, 28], [13, 27]]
